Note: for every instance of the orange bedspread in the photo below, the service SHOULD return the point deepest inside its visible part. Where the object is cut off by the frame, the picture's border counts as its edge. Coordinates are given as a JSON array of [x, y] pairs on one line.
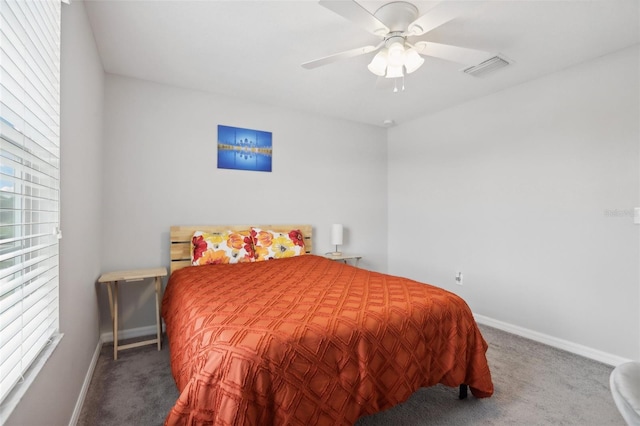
[[309, 341]]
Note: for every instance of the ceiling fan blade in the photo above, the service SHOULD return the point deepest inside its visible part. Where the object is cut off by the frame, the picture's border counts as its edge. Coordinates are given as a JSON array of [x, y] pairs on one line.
[[441, 14], [342, 55], [461, 55], [355, 13]]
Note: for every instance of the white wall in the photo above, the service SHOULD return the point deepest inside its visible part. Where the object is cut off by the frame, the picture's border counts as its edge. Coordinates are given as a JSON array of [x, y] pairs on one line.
[[51, 398], [160, 170], [528, 192]]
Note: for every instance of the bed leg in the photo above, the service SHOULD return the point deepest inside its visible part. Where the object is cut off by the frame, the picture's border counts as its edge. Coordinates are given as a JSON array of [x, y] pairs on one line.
[[463, 391]]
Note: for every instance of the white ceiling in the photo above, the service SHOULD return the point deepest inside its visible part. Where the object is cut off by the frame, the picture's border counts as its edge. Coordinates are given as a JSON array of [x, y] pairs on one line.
[[253, 49]]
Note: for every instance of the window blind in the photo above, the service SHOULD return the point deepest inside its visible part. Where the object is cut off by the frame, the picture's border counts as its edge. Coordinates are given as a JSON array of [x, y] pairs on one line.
[[29, 182]]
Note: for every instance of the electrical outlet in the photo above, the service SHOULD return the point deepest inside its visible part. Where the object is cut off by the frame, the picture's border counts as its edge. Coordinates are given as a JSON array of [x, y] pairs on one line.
[[459, 278]]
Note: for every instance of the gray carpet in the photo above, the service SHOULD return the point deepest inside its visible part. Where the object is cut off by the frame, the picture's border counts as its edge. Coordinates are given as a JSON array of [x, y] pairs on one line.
[[534, 385]]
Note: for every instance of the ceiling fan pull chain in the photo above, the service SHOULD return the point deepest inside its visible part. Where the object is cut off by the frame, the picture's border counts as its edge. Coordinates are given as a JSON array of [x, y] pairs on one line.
[[395, 85]]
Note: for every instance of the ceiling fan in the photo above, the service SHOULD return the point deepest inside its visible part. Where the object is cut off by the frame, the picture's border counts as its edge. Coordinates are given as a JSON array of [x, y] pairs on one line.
[[396, 23]]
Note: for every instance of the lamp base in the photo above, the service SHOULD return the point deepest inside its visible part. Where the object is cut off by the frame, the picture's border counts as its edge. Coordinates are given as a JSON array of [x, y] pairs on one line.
[[336, 253]]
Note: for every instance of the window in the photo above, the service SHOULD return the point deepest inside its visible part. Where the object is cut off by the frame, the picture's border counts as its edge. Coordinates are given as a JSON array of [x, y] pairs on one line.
[[29, 183]]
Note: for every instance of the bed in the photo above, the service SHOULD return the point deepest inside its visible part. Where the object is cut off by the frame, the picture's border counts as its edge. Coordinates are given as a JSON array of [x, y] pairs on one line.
[[304, 340]]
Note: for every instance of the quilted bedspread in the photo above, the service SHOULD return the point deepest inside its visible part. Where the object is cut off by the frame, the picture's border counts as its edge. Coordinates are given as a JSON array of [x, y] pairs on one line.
[[310, 341]]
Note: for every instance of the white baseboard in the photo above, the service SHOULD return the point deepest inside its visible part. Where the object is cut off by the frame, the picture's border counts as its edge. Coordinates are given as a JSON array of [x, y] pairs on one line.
[[130, 333], [104, 338], [555, 342], [85, 386]]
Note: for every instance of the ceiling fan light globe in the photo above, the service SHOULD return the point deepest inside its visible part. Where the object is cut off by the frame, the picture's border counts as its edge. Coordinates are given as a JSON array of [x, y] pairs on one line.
[[376, 71], [412, 60], [396, 54], [394, 71], [378, 64]]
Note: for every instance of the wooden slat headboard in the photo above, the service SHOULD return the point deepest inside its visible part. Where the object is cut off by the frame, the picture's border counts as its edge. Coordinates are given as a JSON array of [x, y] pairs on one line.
[[181, 238]]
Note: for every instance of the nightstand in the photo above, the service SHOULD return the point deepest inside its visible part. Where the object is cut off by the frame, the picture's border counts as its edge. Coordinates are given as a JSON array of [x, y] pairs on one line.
[[344, 257], [111, 279]]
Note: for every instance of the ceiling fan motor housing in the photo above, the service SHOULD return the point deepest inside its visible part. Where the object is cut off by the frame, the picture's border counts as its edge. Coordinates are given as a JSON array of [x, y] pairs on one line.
[[394, 37], [397, 15]]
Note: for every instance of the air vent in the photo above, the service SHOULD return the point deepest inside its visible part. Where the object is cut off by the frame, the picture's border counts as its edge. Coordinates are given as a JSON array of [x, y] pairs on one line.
[[487, 66]]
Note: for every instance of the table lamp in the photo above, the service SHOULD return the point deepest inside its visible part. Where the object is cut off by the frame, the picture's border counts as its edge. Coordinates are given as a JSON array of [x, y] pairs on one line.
[[336, 237]]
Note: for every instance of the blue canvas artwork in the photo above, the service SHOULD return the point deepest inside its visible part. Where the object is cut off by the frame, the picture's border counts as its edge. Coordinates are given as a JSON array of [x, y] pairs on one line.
[[244, 149]]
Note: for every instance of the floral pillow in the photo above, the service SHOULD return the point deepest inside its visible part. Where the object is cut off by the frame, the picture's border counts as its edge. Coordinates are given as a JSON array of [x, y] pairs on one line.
[[225, 247], [276, 245]]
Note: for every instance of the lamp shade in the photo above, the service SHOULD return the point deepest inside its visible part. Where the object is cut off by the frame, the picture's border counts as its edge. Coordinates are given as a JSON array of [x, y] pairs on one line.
[[395, 56], [394, 71], [336, 234], [391, 61], [412, 60], [378, 64]]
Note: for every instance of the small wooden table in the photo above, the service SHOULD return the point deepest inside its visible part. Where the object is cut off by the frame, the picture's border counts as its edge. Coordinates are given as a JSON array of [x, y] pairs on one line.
[[111, 279], [343, 257]]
